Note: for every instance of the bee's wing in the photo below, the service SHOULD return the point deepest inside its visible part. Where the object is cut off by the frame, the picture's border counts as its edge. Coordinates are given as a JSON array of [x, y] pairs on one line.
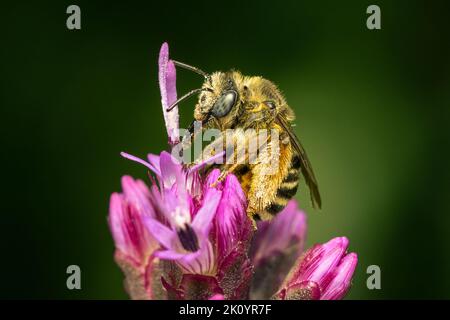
[[306, 167]]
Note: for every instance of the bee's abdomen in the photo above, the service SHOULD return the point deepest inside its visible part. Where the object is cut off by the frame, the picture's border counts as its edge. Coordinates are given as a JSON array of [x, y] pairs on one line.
[[287, 189]]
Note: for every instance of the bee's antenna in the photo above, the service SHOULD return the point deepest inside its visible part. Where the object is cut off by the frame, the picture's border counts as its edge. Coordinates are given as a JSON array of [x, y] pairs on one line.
[[187, 95], [191, 68]]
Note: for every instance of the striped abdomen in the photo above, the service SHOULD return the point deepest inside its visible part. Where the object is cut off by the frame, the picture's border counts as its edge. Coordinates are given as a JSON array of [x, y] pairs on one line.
[[287, 189]]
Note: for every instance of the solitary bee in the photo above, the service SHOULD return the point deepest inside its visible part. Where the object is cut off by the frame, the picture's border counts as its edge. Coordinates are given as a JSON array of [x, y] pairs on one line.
[[229, 100]]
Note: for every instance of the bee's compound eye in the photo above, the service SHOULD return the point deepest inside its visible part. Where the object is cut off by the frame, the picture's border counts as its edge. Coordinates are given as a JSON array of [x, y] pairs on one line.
[[224, 104], [270, 104]]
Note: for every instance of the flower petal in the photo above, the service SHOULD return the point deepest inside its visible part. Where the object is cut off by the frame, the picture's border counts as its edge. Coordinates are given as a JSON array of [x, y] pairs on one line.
[[276, 247], [320, 261], [129, 234], [138, 160], [203, 219], [171, 171], [153, 159], [210, 179], [341, 282], [202, 261], [232, 223], [160, 232], [137, 194], [115, 221], [175, 195], [194, 186], [210, 160], [173, 255], [167, 85], [288, 227]]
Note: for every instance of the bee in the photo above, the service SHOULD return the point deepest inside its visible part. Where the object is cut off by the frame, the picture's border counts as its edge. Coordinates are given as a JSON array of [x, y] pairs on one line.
[[230, 100]]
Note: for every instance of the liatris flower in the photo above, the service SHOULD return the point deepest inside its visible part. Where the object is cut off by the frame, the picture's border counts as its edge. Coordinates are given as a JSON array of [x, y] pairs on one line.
[[188, 235]]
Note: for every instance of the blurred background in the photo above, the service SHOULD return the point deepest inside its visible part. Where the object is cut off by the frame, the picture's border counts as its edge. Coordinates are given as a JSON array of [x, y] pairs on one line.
[[372, 111]]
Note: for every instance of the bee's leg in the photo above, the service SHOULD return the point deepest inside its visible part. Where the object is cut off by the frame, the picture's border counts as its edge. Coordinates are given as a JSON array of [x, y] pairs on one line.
[[224, 173], [187, 141], [211, 156], [239, 158], [254, 216], [209, 150]]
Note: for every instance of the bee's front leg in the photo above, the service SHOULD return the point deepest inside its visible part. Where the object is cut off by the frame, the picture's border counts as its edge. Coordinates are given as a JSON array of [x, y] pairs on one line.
[[223, 174]]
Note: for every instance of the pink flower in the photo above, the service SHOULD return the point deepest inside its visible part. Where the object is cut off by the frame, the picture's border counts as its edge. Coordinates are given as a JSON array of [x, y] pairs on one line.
[[323, 272], [134, 243], [276, 247], [126, 211], [184, 239], [202, 232]]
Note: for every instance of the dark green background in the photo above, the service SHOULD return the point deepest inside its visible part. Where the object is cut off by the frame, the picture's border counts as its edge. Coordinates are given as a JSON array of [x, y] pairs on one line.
[[372, 108]]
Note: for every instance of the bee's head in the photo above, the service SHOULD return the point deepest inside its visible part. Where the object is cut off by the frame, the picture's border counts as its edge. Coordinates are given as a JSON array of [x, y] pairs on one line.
[[236, 100], [228, 99], [220, 99]]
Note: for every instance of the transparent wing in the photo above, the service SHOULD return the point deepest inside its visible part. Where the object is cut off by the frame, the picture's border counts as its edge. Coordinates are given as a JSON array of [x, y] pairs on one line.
[[306, 167]]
